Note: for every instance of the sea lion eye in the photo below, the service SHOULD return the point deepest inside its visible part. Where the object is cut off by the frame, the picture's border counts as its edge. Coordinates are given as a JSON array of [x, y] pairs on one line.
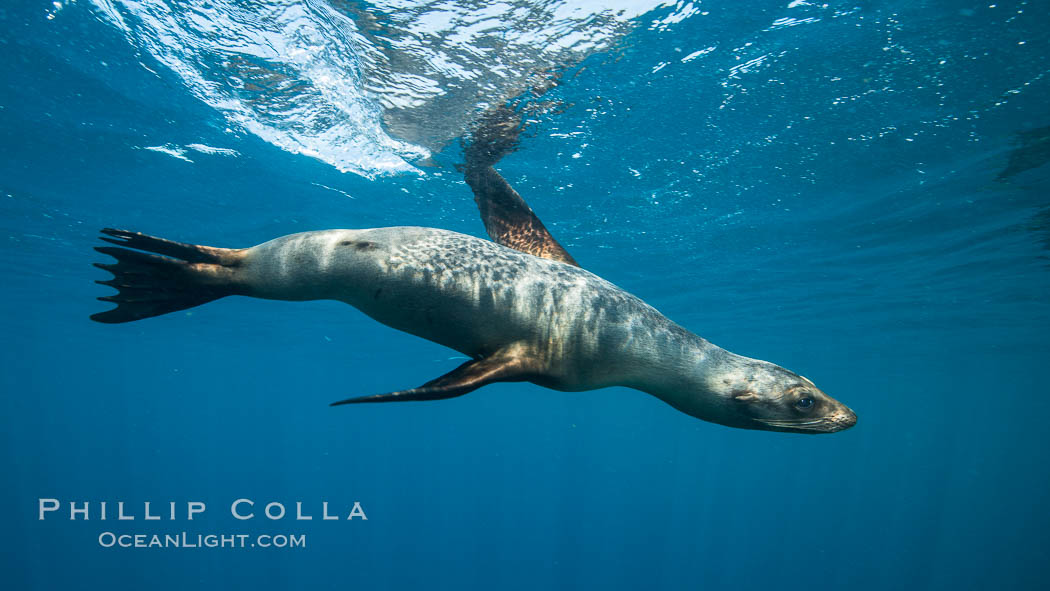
[[804, 403]]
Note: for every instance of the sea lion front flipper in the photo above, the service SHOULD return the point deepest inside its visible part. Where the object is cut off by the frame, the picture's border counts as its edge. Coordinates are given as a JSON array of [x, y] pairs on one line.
[[508, 219], [470, 376]]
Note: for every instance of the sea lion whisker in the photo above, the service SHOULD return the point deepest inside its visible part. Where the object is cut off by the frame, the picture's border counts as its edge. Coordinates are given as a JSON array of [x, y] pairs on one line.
[[791, 423]]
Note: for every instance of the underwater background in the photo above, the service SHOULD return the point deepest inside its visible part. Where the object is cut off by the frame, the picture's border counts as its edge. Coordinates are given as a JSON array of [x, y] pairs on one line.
[[858, 191]]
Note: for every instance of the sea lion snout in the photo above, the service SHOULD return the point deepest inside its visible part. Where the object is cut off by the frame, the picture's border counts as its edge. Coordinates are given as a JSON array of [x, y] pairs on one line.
[[842, 420], [831, 416], [837, 420]]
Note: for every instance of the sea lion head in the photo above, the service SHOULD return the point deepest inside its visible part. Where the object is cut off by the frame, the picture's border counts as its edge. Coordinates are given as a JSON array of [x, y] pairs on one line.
[[761, 395]]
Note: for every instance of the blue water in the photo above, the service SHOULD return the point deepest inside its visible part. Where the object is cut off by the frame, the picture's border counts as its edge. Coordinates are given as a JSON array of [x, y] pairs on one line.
[[832, 194]]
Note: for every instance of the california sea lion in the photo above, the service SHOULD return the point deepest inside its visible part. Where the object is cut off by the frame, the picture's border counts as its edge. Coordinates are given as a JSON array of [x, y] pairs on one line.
[[519, 307]]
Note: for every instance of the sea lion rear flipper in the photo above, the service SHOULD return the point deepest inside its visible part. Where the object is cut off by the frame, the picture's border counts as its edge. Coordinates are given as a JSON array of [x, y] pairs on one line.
[[508, 219], [175, 277], [466, 378]]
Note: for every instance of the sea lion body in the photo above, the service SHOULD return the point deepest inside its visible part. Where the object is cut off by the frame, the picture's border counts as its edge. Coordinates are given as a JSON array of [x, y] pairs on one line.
[[519, 306], [471, 295]]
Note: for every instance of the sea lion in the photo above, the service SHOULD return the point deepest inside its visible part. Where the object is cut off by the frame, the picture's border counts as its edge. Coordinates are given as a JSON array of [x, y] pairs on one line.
[[519, 317], [520, 307]]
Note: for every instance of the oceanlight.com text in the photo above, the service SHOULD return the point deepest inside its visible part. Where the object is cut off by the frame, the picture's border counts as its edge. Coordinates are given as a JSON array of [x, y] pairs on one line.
[[193, 541]]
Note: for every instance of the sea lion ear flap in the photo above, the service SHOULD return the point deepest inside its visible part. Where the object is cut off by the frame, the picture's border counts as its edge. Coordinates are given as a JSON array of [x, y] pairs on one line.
[[508, 219], [745, 396]]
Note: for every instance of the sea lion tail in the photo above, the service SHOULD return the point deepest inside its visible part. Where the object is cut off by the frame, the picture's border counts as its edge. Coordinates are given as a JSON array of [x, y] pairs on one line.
[[187, 275]]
